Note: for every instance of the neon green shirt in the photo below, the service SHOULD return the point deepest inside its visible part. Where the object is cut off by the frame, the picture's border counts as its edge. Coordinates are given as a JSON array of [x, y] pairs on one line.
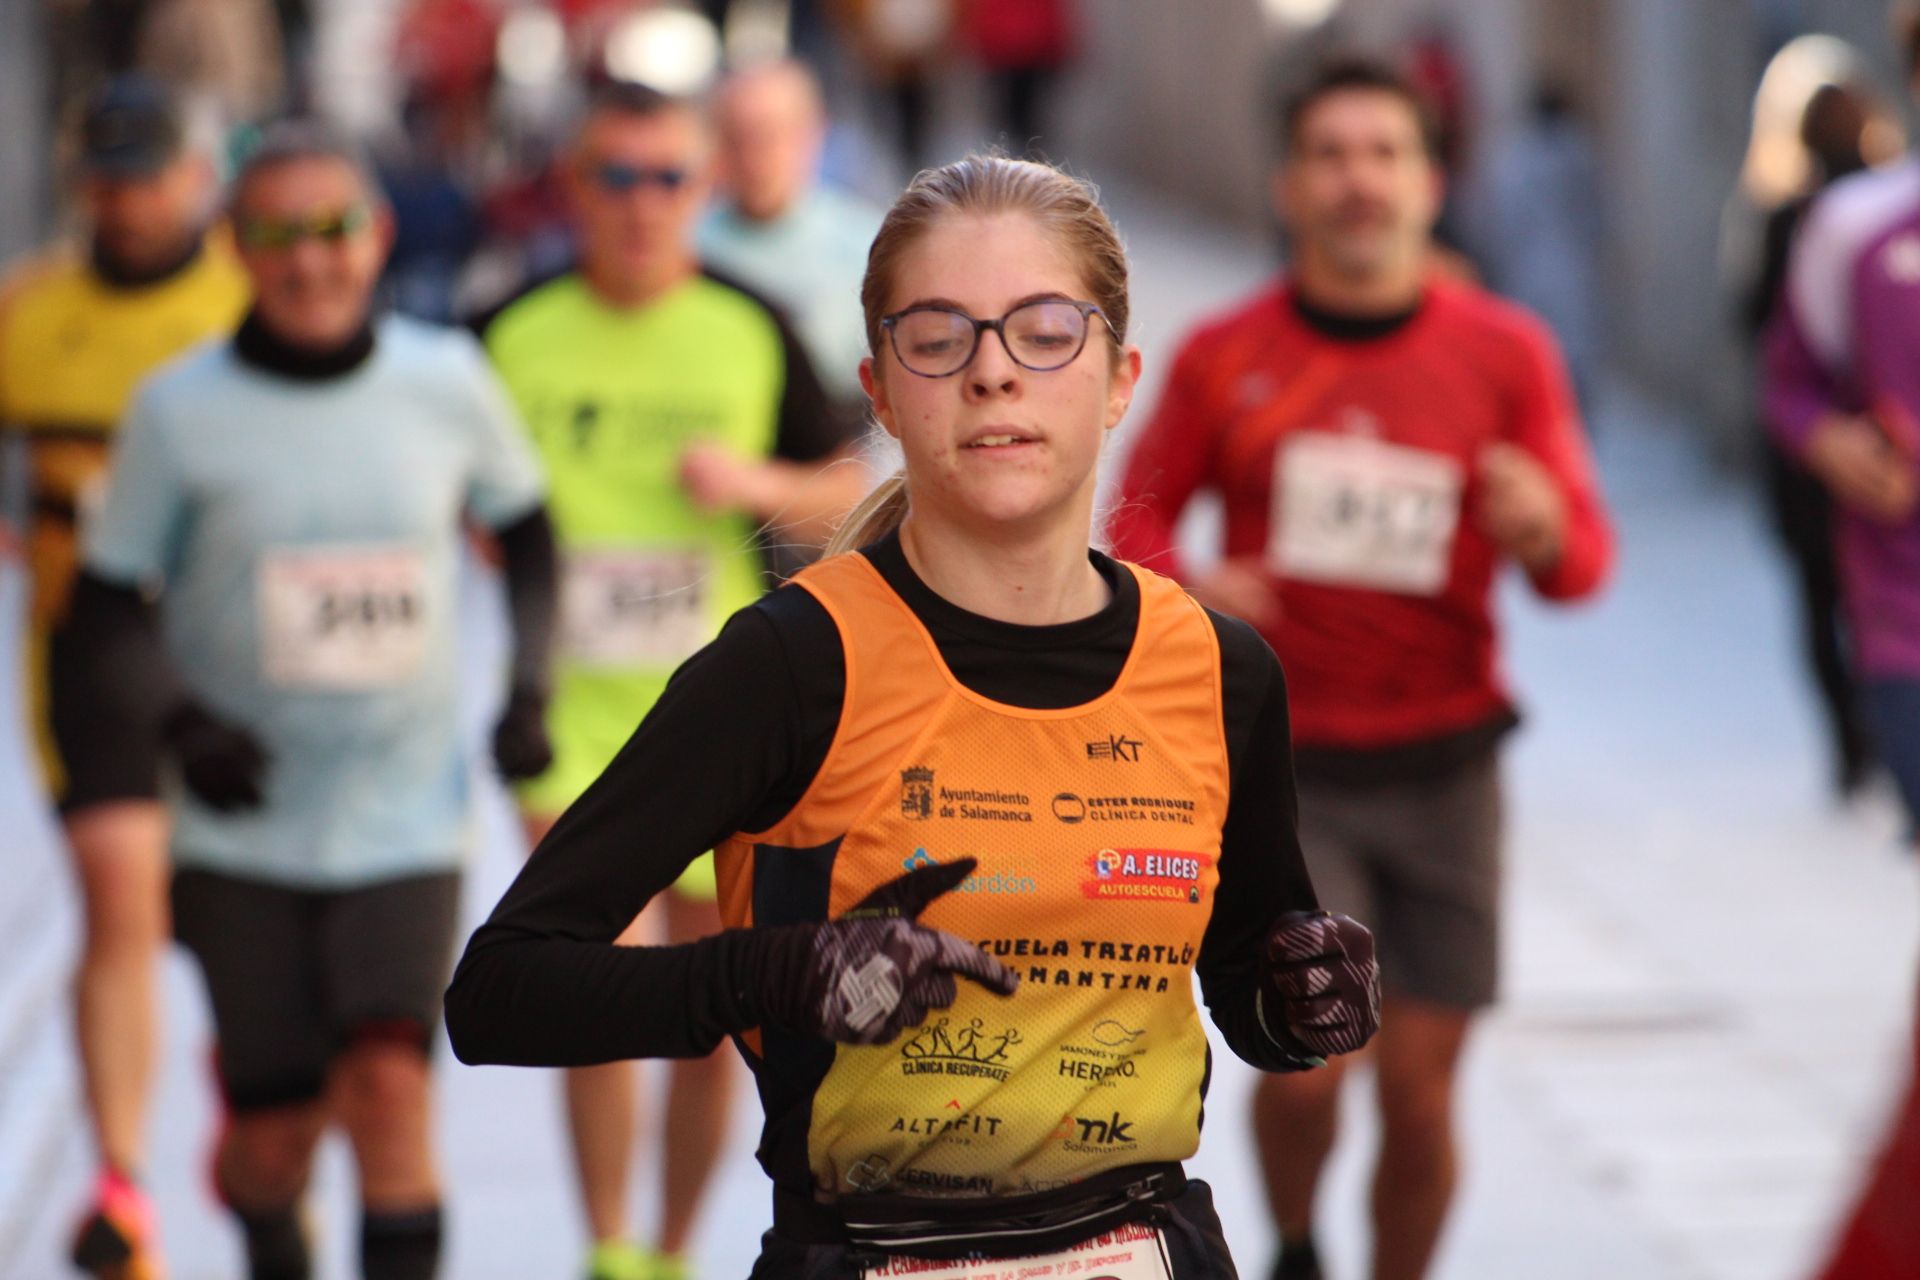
[[613, 398]]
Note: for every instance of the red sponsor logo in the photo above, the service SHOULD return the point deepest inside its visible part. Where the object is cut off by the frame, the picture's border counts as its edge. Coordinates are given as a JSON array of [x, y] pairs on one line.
[[1145, 875]]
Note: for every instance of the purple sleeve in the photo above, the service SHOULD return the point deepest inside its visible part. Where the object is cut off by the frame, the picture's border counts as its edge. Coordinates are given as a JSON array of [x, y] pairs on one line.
[[1798, 389]]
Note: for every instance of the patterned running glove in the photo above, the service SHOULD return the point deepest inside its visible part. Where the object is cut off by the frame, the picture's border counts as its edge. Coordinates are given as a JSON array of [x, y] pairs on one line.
[[872, 973], [222, 763], [521, 747], [1323, 981]]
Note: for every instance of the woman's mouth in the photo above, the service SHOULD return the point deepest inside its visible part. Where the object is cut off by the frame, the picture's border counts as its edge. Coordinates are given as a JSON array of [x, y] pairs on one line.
[[1000, 440]]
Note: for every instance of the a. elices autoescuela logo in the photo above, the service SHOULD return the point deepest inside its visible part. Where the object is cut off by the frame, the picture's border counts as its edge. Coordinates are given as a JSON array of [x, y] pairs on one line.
[[1145, 875]]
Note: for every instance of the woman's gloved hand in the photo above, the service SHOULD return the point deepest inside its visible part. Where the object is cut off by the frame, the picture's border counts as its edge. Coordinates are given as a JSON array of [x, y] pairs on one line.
[[1323, 981], [874, 972]]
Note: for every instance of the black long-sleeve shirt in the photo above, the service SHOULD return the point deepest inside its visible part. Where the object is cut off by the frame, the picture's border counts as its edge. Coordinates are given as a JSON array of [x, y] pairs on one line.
[[733, 744]]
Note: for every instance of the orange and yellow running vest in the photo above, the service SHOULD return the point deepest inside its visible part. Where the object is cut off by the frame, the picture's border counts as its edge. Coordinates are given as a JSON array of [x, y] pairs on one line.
[[1097, 830]]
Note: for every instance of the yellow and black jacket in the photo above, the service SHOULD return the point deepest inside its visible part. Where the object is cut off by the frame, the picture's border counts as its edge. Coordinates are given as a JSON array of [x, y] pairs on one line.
[[74, 344]]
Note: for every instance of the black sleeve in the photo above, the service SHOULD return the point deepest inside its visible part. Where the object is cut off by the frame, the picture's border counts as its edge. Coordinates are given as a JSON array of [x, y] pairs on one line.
[[530, 564], [811, 426], [1262, 871], [732, 744], [111, 660]]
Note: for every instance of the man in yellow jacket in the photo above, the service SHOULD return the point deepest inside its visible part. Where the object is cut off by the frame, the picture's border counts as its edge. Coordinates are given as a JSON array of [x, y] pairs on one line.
[[80, 326]]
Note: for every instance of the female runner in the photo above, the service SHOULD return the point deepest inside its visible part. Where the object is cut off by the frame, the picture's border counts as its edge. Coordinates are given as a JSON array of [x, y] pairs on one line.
[[983, 801]]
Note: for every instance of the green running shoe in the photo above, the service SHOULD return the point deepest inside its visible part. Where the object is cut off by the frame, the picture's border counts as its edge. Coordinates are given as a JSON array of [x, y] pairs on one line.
[[619, 1260]]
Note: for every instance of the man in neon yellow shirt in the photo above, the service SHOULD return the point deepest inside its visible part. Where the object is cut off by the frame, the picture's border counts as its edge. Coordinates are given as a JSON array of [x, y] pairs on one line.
[[677, 417]]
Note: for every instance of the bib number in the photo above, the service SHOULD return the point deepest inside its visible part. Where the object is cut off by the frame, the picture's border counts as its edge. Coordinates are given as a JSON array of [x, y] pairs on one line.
[[634, 608], [342, 619], [1134, 1252], [1359, 512]]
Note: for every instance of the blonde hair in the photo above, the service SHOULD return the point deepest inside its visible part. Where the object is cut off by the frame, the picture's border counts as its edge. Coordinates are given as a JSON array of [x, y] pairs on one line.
[[980, 185]]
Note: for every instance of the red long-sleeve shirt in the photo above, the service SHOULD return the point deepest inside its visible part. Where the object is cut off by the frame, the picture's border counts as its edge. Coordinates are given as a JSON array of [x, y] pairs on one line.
[[1383, 575]]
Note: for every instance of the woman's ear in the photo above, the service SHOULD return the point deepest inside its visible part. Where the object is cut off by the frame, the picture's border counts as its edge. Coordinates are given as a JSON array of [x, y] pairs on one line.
[[876, 390], [1121, 384]]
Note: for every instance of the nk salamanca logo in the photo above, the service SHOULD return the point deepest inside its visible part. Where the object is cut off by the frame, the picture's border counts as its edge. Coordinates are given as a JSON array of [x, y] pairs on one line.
[[916, 793]]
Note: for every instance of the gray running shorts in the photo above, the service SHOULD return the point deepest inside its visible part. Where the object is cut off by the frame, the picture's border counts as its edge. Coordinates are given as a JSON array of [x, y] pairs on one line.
[[1419, 864]]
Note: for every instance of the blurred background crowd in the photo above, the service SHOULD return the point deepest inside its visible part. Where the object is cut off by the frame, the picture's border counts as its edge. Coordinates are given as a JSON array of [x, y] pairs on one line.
[[1631, 170]]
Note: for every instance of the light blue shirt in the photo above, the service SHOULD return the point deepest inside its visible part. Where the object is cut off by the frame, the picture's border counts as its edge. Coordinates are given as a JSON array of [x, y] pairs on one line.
[[306, 539], [809, 262]]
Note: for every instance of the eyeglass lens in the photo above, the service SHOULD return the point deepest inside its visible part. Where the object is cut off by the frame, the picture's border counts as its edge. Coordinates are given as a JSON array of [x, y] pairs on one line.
[[1039, 336], [284, 233]]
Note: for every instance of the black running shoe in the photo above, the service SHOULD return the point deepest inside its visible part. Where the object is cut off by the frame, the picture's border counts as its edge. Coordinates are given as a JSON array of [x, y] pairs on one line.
[[1298, 1262]]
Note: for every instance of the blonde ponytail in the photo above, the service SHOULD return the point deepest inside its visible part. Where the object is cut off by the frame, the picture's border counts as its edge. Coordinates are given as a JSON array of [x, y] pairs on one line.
[[878, 515]]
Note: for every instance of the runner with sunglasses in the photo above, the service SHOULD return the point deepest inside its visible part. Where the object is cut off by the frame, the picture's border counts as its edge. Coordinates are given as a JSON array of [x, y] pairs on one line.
[[677, 418], [293, 500], [977, 797], [1384, 441], [77, 331]]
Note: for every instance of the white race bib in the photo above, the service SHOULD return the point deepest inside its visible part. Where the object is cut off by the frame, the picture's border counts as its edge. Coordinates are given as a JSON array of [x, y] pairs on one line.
[[342, 618], [1134, 1252], [634, 608], [1359, 512]]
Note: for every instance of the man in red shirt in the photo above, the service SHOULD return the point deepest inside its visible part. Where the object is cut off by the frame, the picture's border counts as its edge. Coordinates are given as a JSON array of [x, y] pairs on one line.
[[1383, 439]]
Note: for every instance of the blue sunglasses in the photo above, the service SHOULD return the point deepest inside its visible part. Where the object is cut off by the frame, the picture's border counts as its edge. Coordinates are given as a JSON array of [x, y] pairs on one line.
[[618, 179]]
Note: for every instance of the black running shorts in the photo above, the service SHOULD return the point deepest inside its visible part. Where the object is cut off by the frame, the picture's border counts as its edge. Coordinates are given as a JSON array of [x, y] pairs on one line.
[[296, 975]]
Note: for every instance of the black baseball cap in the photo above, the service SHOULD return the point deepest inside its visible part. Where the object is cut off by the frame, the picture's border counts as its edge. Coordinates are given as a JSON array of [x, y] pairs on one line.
[[131, 128]]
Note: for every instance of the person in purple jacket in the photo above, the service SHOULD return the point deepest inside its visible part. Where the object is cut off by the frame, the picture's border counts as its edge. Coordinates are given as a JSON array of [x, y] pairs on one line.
[[1843, 396]]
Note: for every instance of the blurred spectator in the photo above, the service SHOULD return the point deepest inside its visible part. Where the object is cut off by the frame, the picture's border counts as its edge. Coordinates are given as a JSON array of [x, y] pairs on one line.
[[1834, 130], [1843, 397], [225, 55], [780, 230], [1438, 72], [437, 222], [1544, 189], [78, 331], [439, 158], [901, 43], [1023, 45]]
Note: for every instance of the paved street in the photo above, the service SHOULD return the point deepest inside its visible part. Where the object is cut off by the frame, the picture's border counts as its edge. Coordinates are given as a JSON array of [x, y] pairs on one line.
[[1710, 973]]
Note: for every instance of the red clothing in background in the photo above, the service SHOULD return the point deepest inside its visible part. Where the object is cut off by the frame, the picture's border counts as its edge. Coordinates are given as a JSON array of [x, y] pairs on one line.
[[1384, 577], [1020, 33]]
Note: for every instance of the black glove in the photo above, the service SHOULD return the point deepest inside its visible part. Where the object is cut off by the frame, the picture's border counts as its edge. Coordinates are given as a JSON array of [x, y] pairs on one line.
[[521, 748], [869, 975], [1323, 980], [223, 764]]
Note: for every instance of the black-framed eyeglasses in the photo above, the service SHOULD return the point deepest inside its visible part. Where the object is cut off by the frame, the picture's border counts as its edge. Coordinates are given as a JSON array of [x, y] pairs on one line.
[[617, 178], [938, 342], [284, 233]]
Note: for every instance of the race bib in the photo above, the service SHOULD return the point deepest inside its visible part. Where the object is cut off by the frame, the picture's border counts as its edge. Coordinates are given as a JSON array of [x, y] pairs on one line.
[[1359, 512], [342, 618], [1135, 1252], [634, 608]]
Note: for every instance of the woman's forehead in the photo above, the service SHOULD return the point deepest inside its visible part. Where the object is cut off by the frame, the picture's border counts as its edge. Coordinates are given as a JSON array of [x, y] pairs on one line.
[[986, 260]]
